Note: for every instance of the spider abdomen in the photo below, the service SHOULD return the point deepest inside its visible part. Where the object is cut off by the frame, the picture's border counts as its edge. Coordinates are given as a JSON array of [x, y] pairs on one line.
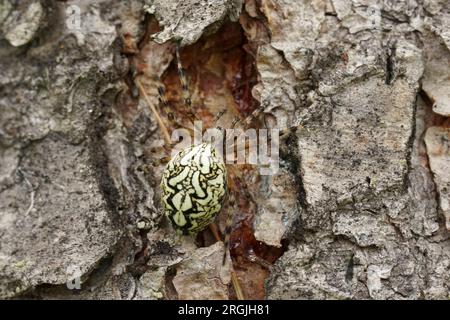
[[193, 188]]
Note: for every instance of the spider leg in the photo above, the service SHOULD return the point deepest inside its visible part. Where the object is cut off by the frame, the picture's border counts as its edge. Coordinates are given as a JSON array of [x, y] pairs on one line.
[[233, 189], [227, 234], [244, 188], [228, 229], [154, 162], [247, 120], [253, 115], [184, 84], [167, 108], [228, 225], [246, 124], [165, 105], [160, 161], [284, 133], [218, 116], [234, 279]]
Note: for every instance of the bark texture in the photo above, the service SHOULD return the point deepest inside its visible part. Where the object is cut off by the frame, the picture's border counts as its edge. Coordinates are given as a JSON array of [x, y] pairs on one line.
[[360, 208]]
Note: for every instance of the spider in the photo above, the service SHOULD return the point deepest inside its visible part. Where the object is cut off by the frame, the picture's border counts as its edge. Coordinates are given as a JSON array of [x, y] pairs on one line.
[[196, 182]]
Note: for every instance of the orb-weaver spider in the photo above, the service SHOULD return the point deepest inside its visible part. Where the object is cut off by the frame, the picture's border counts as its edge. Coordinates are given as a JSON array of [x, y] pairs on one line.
[[194, 184]]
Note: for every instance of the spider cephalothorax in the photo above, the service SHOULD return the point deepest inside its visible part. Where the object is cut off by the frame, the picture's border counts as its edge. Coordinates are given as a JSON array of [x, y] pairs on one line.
[[193, 188]]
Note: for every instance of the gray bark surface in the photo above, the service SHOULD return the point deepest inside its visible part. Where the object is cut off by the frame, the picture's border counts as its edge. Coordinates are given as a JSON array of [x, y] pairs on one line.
[[360, 208]]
